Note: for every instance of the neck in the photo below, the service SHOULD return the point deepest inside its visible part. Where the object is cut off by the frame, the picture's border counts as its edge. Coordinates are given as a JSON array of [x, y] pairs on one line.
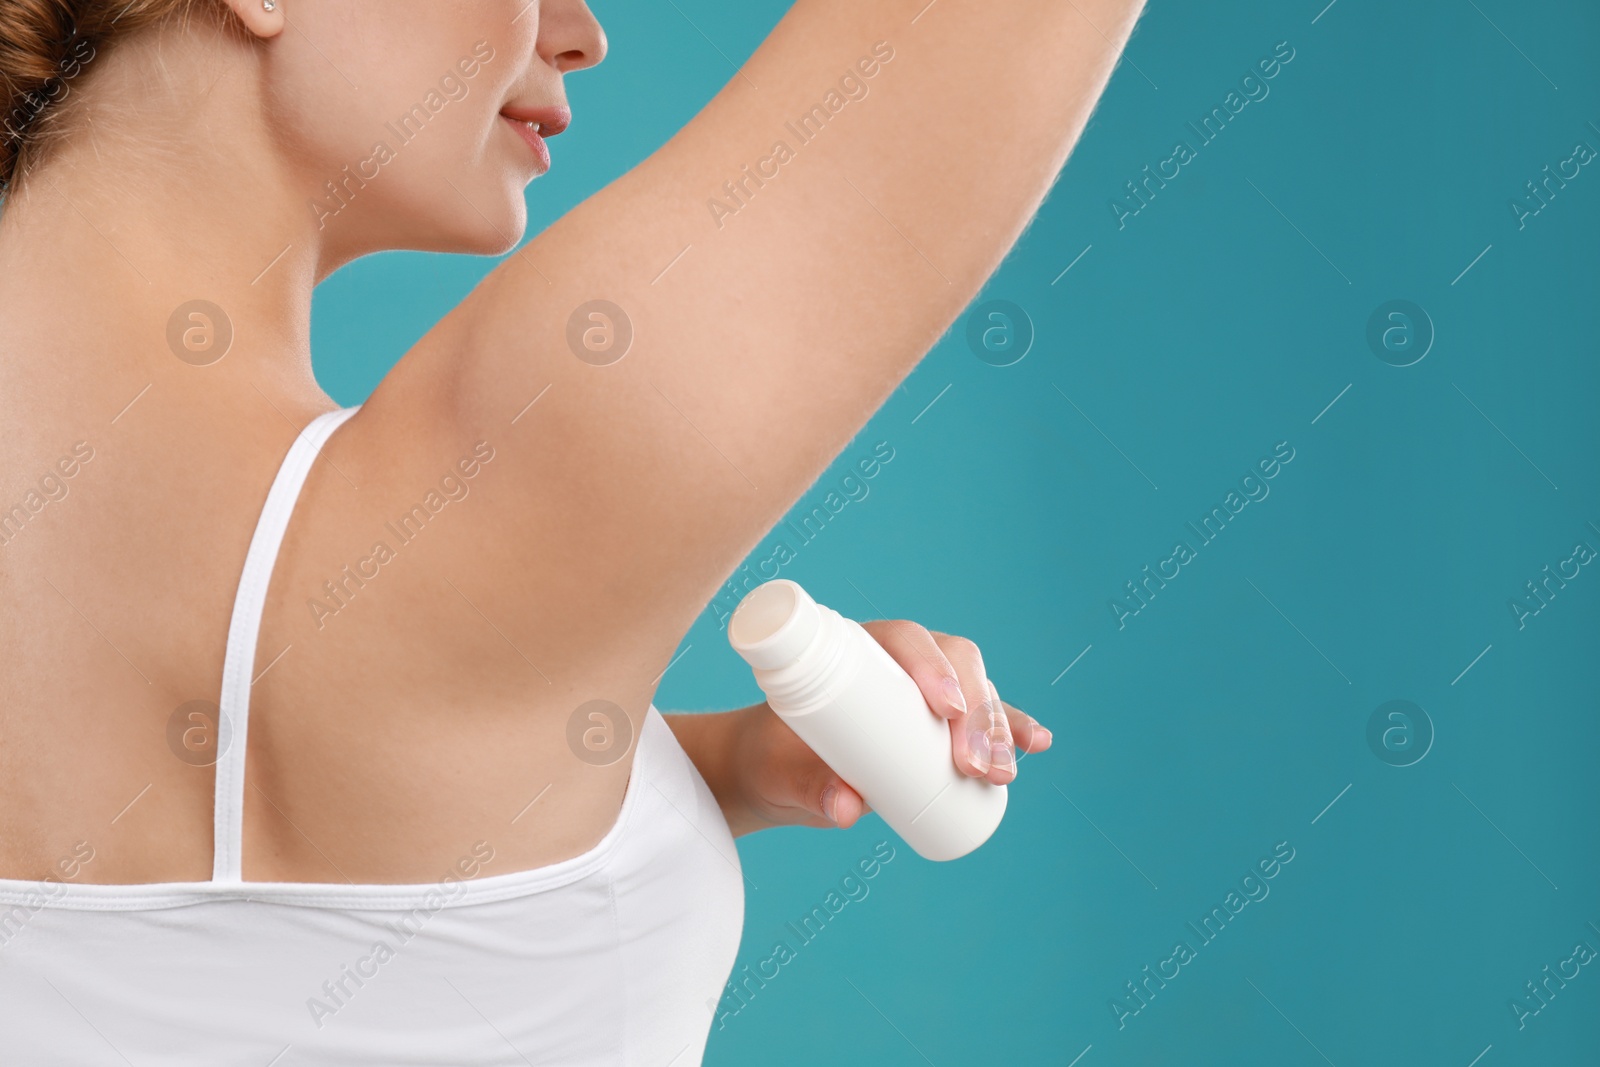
[[105, 245]]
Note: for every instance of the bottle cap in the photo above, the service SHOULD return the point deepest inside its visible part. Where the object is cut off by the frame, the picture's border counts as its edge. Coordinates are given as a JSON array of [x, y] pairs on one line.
[[774, 624]]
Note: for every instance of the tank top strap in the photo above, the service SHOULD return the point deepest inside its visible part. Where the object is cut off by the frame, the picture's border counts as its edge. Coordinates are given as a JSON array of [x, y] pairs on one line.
[[238, 667]]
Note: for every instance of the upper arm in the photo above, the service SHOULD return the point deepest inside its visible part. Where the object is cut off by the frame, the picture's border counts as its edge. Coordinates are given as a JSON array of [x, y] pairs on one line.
[[763, 338]]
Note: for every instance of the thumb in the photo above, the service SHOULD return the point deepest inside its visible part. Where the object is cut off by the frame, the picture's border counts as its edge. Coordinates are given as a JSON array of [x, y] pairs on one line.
[[835, 801]]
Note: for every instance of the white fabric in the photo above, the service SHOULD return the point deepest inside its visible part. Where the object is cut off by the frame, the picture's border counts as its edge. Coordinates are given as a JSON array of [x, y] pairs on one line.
[[615, 957]]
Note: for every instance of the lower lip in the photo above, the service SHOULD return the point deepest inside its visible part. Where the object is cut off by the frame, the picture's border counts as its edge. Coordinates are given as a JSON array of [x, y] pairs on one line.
[[533, 141]]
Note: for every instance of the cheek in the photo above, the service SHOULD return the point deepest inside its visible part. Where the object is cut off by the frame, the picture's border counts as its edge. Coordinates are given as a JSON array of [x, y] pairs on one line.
[[384, 110], [313, 114]]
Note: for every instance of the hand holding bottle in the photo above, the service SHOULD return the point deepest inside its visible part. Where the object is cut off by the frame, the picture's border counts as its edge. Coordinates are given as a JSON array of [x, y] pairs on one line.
[[854, 703]]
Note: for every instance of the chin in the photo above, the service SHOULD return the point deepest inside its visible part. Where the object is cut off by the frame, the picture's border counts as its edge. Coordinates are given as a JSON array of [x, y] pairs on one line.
[[491, 242], [483, 228]]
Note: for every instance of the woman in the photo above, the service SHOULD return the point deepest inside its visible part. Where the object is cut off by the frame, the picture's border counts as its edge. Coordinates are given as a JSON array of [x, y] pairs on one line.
[[463, 833]]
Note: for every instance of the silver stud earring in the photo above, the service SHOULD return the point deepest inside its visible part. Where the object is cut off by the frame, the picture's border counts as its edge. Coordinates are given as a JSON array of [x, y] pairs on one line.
[[270, 5]]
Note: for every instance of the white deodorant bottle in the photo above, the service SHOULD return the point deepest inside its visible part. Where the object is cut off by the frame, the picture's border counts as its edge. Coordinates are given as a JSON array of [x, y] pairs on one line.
[[865, 717]]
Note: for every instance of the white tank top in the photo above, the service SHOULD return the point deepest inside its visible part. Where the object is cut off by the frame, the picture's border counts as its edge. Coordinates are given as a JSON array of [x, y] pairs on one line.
[[615, 957]]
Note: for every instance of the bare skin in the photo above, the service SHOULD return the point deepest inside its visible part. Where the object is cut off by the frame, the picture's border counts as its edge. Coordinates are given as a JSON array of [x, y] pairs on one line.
[[427, 712]]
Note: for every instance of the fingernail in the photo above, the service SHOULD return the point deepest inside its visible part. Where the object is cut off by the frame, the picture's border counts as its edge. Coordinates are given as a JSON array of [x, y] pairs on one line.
[[830, 800], [1042, 734], [978, 745], [1004, 757], [952, 689]]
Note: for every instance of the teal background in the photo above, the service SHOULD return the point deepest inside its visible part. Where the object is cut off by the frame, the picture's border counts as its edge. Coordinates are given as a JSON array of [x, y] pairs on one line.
[[1231, 711]]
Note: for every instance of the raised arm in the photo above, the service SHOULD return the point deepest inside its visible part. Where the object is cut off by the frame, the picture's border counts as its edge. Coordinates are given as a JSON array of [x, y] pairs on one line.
[[782, 264]]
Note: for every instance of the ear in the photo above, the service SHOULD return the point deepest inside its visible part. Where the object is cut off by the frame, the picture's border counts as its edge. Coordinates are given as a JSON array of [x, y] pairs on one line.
[[255, 17]]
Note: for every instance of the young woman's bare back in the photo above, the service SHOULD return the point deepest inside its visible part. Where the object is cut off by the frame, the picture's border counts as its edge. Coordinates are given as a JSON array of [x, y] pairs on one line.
[[423, 706]]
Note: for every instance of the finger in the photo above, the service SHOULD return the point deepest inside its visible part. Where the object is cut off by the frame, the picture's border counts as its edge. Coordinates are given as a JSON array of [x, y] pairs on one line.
[[1002, 747], [798, 788], [1030, 734], [914, 648], [840, 804], [812, 786], [969, 733]]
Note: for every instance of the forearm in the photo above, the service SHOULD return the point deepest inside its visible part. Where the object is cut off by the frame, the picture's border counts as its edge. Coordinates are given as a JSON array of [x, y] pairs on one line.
[[957, 140]]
